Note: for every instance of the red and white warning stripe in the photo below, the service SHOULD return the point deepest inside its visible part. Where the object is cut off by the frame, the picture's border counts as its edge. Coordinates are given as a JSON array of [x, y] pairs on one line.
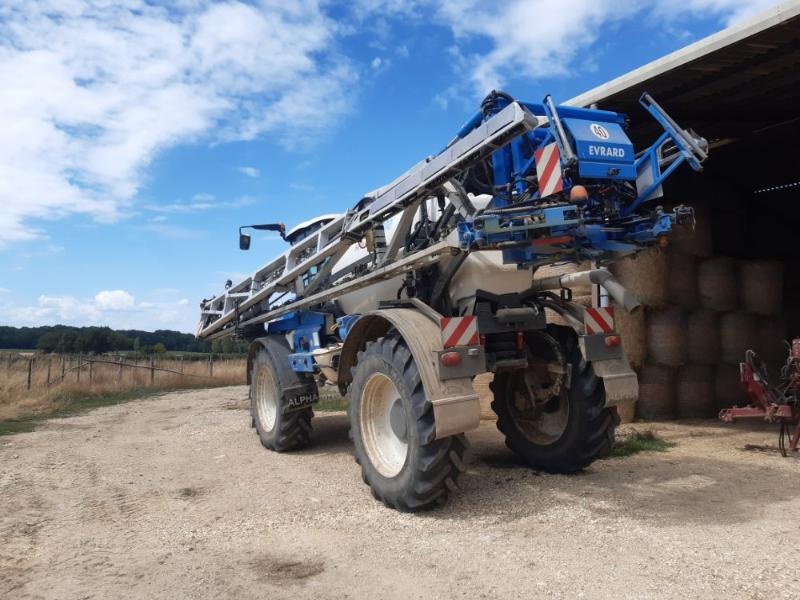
[[459, 331], [548, 170], [598, 320]]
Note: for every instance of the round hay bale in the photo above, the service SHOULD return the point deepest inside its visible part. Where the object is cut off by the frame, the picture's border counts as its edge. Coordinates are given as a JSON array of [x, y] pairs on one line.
[[698, 241], [702, 337], [626, 412], [632, 330], [656, 393], [481, 386], [716, 283], [761, 286], [682, 280], [694, 393], [737, 334], [644, 274], [728, 389], [771, 339], [666, 336]]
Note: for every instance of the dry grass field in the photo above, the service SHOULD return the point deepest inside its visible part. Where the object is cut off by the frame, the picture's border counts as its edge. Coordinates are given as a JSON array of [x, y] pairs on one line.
[[101, 382]]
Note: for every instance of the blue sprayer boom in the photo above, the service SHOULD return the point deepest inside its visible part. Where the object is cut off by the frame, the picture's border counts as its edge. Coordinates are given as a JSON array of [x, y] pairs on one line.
[[429, 281]]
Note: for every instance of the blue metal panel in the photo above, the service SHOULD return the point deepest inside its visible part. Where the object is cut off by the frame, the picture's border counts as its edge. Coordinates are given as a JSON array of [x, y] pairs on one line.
[[603, 150], [302, 362]]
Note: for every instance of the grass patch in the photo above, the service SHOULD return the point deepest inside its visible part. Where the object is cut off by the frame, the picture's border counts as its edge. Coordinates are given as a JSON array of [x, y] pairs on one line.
[[639, 441], [70, 403], [330, 400], [20, 426]]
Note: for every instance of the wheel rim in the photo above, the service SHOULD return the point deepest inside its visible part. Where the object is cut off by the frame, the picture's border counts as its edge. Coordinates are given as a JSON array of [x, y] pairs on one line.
[[386, 450], [266, 399], [541, 420]]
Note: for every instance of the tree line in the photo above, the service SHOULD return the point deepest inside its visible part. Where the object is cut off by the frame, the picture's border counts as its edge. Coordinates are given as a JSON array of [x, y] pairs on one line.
[[64, 338]]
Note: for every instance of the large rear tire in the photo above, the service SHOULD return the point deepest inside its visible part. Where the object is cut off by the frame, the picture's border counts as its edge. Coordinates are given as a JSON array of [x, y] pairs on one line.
[[555, 421], [277, 429], [393, 431]]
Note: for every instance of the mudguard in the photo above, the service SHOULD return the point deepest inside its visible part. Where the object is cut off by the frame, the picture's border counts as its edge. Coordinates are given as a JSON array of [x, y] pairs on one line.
[[456, 406]]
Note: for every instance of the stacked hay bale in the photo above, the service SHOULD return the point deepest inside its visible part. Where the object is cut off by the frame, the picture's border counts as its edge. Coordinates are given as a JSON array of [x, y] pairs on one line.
[[702, 312]]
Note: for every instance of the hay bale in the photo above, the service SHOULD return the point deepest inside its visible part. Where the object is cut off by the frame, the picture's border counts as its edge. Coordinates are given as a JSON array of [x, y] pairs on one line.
[[631, 328], [702, 337], [481, 386], [737, 334], [716, 283], [666, 336], [682, 280], [698, 241], [644, 274], [771, 339], [656, 393], [694, 393], [626, 412], [728, 389], [761, 286]]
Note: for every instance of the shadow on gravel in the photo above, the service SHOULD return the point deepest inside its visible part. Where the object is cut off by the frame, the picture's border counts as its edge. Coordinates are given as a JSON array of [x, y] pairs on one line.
[[329, 435], [654, 487]]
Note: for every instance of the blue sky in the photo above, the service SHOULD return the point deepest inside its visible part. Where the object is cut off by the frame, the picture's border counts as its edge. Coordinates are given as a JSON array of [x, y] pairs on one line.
[[137, 136]]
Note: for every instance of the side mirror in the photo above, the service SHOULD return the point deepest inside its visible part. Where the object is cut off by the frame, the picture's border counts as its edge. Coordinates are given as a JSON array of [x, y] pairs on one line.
[[244, 241]]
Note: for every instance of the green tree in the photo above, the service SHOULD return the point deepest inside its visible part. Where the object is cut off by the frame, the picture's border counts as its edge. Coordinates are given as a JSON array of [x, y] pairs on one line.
[[159, 348]]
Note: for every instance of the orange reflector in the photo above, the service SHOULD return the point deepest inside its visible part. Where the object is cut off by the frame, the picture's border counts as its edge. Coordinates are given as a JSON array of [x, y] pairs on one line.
[[612, 341], [451, 359]]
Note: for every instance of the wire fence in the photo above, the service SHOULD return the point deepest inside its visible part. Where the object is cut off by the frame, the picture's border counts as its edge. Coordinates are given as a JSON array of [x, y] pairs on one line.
[[31, 371]]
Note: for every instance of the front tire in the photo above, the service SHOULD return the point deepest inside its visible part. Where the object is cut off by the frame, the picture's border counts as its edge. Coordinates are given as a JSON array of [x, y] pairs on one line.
[[277, 429], [561, 432], [393, 431]]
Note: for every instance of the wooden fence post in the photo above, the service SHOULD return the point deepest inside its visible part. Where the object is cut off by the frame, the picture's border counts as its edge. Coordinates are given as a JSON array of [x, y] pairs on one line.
[[63, 367], [152, 369], [49, 364], [119, 373], [91, 371], [80, 364], [211, 365], [30, 369]]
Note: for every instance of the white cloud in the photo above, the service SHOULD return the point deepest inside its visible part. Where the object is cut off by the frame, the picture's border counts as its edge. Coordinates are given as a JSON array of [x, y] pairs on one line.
[[376, 62], [114, 300], [249, 171], [93, 91], [115, 308], [534, 39]]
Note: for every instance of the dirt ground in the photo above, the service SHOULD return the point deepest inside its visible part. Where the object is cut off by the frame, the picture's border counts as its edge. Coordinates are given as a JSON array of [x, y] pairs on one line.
[[173, 497]]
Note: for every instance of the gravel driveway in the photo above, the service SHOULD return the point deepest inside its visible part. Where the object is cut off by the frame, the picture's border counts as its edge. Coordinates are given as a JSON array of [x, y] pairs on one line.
[[173, 497]]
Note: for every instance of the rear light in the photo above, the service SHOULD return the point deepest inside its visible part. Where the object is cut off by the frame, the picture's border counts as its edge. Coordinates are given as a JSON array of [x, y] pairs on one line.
[[520, 341], [482, 340], [450, 359], [612, 341], [796, 348]]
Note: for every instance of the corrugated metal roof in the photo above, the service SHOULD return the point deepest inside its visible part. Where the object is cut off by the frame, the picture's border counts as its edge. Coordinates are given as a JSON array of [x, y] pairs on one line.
[[728, 85]]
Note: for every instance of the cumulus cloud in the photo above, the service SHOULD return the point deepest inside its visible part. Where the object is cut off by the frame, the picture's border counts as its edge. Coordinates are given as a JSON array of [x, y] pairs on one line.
[[114, 300], [115, 308], [534, 39], [94, 90], [250, 171]]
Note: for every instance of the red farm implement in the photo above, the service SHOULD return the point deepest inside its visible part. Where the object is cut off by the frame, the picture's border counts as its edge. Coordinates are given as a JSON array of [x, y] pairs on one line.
[[773, 403]]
